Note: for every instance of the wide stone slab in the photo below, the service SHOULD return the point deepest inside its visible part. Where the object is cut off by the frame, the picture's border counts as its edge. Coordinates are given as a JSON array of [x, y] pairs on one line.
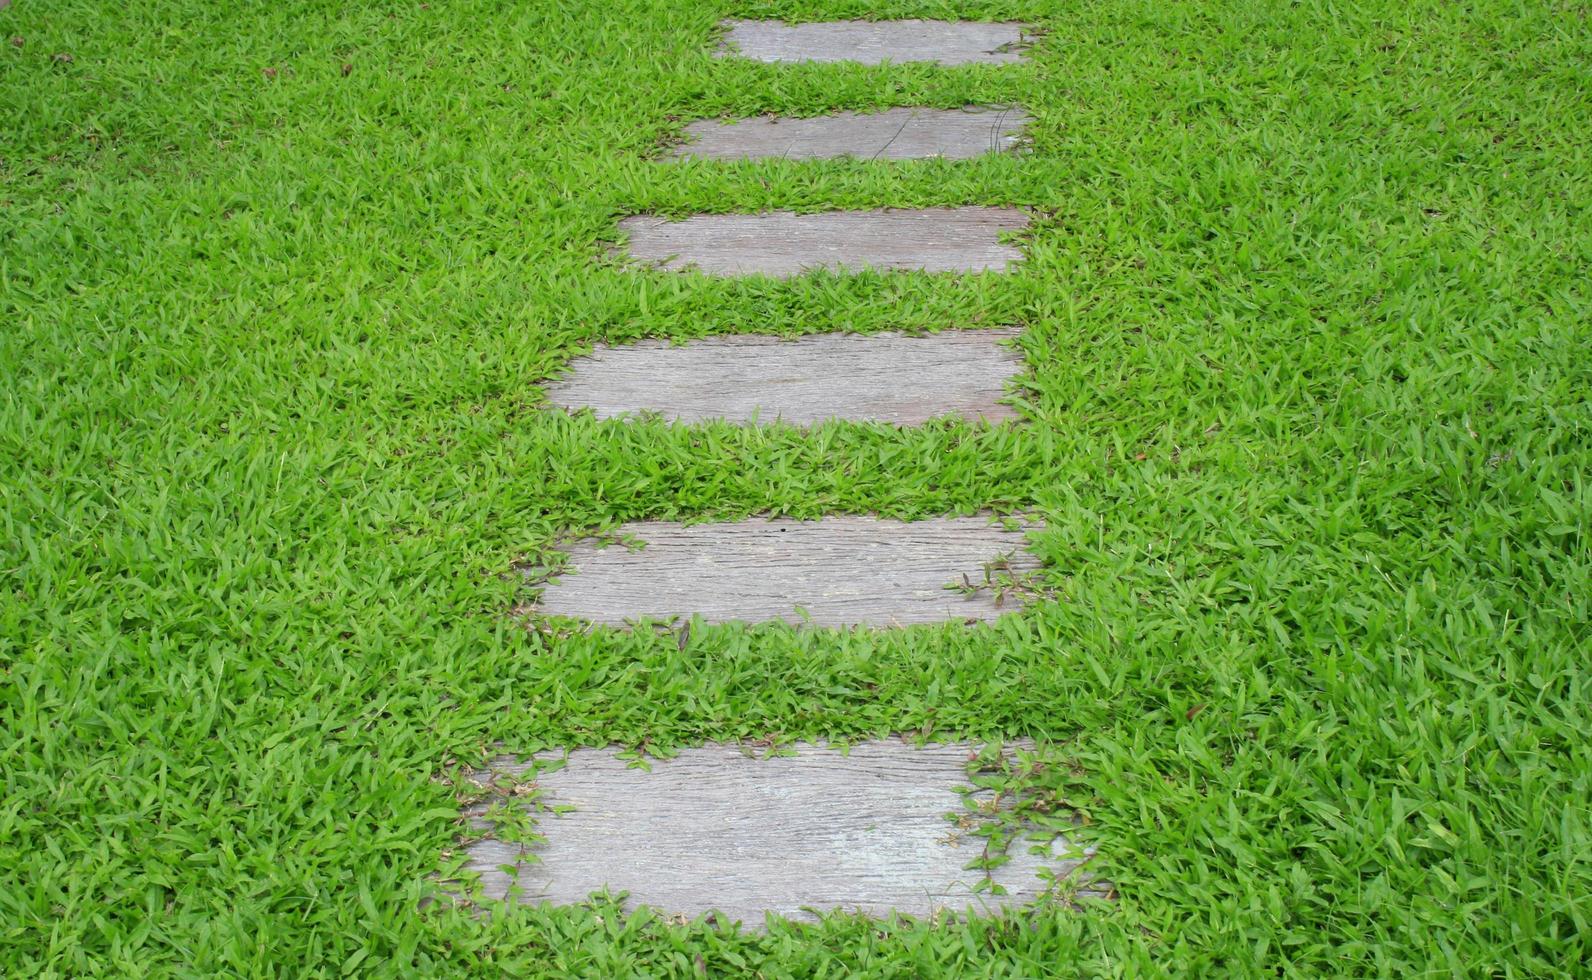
[[720, 828], [879, 378], [838, 571], [782, 244], [895, 134], [873, 42]]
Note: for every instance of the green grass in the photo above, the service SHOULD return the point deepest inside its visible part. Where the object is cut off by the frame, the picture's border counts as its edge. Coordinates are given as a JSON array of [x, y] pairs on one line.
[[1307, 312]]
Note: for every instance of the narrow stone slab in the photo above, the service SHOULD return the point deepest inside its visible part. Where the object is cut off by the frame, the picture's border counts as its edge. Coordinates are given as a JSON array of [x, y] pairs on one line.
[[720, 829], [874, 42], [783, 244], [895, 134], [839, 571], [885, 377]]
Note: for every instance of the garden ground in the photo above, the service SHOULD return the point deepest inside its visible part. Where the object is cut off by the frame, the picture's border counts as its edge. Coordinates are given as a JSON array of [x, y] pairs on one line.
[[1306, 317]]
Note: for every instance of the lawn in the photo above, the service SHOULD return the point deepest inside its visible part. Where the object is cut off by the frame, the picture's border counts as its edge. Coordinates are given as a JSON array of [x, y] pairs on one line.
[[1309, 327]]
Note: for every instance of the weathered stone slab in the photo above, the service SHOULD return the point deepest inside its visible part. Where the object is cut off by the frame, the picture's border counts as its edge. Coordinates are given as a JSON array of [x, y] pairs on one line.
[[838, 571], [880, 377], [720, 829], [874, 42], [783, 244], [895, 134]]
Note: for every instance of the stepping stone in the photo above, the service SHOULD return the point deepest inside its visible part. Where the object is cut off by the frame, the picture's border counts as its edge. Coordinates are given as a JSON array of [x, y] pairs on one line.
[[895, 134], [783, 244], [838, 571], [874, 42], [880, 378], [719, 829]]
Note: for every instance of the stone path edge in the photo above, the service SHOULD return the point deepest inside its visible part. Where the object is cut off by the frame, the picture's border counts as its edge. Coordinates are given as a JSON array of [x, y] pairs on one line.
[[783, 244], [876, 573], [504, 778], [586, 382], [944, 43], [712, 139]]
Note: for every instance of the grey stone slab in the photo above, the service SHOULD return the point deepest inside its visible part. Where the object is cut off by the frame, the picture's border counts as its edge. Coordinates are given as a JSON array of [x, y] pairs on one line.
[[838, 571], [873, 42], [895, 134], [719, 828], [782, 244], [880, 377]]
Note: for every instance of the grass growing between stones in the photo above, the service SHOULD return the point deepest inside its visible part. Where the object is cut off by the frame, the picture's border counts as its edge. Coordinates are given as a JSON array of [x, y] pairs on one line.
[[1307, 319]]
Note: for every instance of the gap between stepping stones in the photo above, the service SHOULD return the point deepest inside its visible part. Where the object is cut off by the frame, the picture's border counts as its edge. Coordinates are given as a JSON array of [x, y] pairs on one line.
[[833, 572], [874, 42], [782, 244], [895, 134], [887, 377], [717, 828]]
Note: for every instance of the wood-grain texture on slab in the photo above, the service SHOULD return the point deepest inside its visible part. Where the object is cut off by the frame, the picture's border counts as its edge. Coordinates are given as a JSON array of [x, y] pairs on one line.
[[838, 571], [873, 42], [719, 828], [881, 377], [783, 244], [895, 134]]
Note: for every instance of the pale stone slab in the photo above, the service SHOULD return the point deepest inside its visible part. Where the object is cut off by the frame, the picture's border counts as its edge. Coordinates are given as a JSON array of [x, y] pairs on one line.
[[874, 42], [895, 134], [838, 571], [720, 828], [885, 377], [783, 244]]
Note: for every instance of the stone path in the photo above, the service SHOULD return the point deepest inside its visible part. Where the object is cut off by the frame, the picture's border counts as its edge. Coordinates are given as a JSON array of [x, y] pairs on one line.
[[840, 571], [882, 377], [781, 244], [717, 828], [722, 828], [894, 134], [875, 42]]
